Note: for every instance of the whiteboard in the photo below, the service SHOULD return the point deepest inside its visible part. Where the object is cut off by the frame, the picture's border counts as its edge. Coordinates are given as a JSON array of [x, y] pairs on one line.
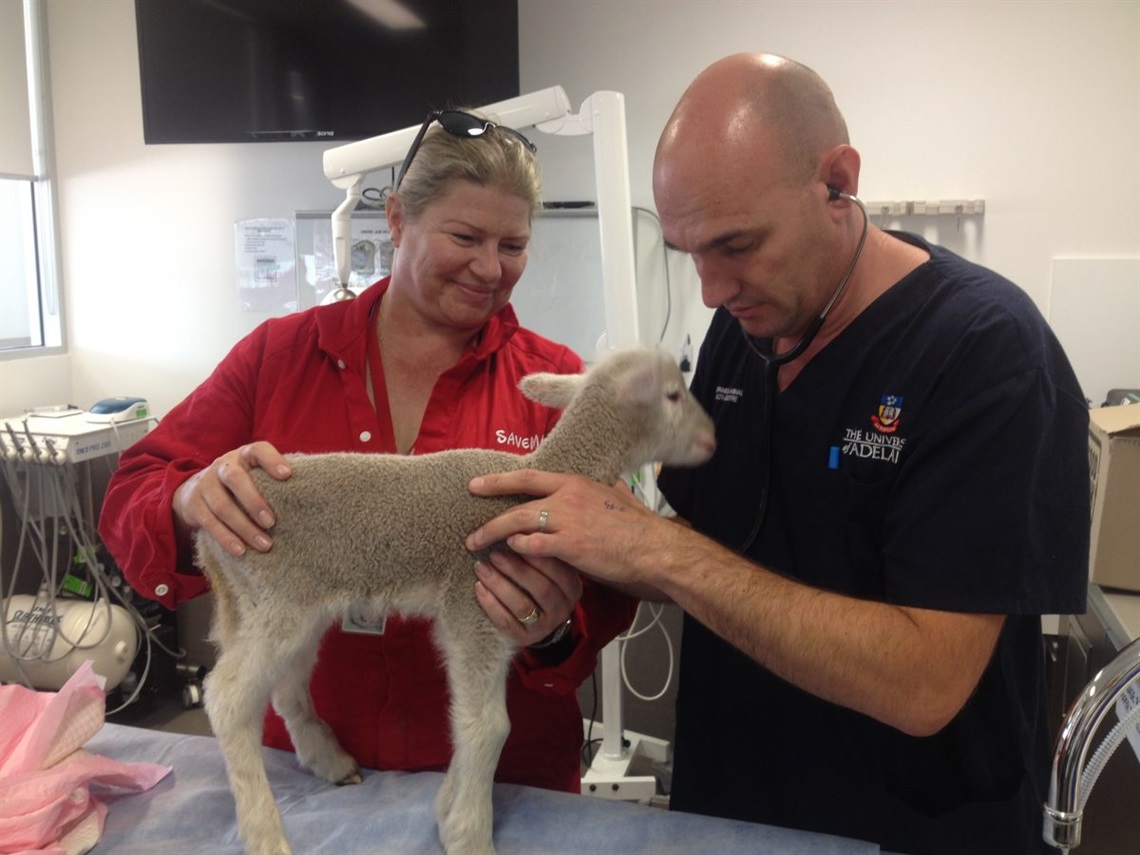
[[1094, 308], [561, 294]]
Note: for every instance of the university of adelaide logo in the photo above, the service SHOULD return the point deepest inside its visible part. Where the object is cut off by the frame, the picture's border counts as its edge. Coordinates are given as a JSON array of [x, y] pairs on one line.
[[890, 411], [884, 443]]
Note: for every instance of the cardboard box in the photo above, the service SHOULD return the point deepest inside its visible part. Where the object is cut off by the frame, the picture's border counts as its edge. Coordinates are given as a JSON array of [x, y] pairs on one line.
[[1114, 467]]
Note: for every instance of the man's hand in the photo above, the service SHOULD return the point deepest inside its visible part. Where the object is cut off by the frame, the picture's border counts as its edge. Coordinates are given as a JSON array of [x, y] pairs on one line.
[[598, 529]]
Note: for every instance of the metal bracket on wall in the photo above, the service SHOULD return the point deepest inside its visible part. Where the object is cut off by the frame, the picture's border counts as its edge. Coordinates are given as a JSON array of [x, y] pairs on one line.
[[923, 208]]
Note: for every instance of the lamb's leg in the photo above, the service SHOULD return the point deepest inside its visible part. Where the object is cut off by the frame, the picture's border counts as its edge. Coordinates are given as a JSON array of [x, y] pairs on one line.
[[236, 693], [477, 657], [317, 748]]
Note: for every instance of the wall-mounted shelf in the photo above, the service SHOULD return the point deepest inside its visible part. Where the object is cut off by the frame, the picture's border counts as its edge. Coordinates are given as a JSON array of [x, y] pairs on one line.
[[924, 208]]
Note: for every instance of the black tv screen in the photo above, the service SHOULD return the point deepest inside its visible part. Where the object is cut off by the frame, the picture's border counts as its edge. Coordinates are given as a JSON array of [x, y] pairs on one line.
[[216, 71]]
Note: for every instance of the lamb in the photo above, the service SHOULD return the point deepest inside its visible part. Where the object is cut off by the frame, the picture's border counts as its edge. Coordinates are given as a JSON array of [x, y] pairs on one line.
[[380, 533]]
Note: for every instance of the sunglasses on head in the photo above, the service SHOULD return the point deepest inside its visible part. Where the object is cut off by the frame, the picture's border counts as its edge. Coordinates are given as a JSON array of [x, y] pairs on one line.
[[458, 124]]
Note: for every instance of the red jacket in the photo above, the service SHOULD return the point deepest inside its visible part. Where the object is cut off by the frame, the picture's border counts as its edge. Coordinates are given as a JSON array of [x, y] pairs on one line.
[[299, 382]]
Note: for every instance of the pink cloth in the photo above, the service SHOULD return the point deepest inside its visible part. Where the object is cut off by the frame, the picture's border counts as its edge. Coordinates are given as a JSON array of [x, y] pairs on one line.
[[46, 780]]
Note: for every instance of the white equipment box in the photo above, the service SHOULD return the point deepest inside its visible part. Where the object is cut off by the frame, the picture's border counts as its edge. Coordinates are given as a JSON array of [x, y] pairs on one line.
[[66, 437]]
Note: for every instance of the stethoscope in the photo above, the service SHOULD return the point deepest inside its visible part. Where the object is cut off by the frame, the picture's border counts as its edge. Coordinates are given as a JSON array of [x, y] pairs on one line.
[[772, 363]]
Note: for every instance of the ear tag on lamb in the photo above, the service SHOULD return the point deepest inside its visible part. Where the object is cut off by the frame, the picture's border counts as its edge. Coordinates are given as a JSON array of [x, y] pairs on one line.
[[364, 621]]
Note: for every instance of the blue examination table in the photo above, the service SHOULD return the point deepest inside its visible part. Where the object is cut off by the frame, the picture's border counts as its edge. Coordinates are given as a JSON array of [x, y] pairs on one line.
[[191, 811]]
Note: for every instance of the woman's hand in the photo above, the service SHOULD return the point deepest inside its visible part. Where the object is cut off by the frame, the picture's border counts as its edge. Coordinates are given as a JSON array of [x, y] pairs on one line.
[[223, 500], [527, 600]]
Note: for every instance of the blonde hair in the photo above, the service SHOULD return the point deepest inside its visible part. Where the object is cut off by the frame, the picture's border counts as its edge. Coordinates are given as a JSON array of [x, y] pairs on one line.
[[495, 159]]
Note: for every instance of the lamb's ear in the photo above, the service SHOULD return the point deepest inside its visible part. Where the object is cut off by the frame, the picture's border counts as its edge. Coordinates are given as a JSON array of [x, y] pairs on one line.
[[640, 382], [553, 390]]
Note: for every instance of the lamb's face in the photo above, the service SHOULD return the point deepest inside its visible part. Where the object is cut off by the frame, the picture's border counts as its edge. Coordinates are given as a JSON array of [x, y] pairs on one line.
[[683, 433], [674, 427], [636, 401]]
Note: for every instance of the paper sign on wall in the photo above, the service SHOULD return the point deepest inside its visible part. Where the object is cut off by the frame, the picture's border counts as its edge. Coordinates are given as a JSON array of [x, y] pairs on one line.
[[265, 261]]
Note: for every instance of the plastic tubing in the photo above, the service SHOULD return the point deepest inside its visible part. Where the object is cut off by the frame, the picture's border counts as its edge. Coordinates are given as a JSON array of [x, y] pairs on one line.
[[1102, 754]]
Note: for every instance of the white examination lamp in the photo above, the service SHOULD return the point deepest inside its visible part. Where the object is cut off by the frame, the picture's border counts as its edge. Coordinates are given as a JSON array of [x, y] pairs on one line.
[[603, 117]]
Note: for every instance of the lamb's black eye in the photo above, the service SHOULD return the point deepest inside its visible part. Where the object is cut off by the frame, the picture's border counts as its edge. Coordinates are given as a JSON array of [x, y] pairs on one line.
[[674, 396]]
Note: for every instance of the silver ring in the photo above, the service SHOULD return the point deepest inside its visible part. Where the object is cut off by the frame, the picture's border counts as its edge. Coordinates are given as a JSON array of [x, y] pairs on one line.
[[543, 517], [531, 618]]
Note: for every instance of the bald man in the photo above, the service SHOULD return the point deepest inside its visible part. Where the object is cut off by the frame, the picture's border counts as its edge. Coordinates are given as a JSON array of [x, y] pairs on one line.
[[900, 490]]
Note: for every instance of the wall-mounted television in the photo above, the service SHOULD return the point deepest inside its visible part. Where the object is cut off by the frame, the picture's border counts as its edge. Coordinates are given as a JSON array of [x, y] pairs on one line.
[[215, 71]]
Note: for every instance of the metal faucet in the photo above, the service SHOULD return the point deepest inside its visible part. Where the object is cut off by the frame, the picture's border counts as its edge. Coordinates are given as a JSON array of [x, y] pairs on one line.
[[1064, 810]]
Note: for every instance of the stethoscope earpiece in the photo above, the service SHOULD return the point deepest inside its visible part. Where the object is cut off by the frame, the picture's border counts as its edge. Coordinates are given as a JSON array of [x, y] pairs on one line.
[[835, 194]]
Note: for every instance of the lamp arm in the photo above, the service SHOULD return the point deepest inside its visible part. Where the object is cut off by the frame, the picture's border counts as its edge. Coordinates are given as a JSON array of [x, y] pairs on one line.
[[345, 163], [342, 231]]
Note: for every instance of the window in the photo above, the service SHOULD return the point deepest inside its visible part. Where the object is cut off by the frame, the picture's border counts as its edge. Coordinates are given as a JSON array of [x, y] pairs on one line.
[[30, 319]]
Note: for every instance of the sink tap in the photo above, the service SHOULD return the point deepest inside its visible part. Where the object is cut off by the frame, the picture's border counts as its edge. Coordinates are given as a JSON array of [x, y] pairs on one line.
[[1067, 791]]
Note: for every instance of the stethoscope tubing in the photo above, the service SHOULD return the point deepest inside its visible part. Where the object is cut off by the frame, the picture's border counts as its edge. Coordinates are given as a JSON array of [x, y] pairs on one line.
[[772, 363], [806, 339]]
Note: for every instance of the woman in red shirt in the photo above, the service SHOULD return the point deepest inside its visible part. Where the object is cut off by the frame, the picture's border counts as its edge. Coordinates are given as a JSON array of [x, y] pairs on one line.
[[426, 360]]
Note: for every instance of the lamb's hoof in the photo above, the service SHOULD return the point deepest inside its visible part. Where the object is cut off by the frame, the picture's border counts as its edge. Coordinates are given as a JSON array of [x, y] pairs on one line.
[[336, 767], [353, 777]]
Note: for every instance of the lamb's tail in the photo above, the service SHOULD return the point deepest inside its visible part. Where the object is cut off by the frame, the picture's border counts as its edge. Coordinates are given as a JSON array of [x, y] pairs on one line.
[[224, 626]]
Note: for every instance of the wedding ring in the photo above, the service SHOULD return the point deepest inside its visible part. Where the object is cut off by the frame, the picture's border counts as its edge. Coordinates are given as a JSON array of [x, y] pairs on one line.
[[531, 618], [543, 517]]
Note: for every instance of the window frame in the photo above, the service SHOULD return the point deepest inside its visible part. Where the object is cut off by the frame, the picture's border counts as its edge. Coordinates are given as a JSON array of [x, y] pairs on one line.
[[43, 191]]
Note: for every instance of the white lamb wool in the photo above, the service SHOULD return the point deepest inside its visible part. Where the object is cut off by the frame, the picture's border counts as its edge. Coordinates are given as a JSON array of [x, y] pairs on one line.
[[384, 532]]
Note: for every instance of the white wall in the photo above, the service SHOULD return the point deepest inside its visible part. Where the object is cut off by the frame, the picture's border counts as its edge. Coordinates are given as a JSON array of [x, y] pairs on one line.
[[1034, 106]]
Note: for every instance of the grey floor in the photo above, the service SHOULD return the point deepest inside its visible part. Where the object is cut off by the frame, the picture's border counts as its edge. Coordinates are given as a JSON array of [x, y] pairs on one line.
[[167, 715]]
